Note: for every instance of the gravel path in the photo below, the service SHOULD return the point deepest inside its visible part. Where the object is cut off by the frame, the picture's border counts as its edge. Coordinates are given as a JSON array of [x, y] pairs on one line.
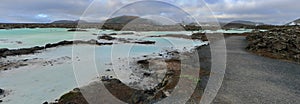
[[252, 79]]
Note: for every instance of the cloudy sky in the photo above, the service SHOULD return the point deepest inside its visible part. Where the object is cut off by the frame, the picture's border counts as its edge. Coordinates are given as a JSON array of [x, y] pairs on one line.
[[267, 11]]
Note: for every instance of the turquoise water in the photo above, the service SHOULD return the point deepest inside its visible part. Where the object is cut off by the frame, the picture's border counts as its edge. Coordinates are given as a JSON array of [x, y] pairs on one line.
[[38, 37], [35, 84], [25, 38]]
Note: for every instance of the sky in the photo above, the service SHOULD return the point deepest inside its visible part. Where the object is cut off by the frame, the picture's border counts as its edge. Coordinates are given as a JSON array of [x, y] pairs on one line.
[[44, 11]]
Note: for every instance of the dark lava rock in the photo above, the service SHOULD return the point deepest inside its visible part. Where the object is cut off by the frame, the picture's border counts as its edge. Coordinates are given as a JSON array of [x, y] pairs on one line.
[[72, 30], [1, 91], [143, 62], [106, 37], [145, 42], [105, 78], [201, 36], [279, 43], [19, 42], [134, 96], [147, 74], [2, 50], [113, 34], [73, 97], [13, 52], [126, 93]]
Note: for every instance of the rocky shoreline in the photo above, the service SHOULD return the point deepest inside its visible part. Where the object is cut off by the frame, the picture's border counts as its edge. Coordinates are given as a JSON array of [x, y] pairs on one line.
[[109, 38], [4, 52], [112, 26], [114, 85], [278, 43], [12, 64], [134, 96], [163, 90], [3, 93]]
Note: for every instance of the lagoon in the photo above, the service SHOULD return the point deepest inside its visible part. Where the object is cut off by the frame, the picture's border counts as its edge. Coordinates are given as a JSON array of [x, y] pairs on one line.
[[37, 83]]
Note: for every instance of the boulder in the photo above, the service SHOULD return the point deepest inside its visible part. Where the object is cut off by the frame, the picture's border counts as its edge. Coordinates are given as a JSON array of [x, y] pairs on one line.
[[143, 62], [106, 37], [2, 50], [113, 34], [73, 30], [1, 91], [201, 36]]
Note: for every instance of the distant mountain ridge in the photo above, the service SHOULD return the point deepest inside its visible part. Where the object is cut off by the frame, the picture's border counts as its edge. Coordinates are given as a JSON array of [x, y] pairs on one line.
[[242, 24], [69, 21], [130, 19], [121, 19], [247, 22], [114, 20]]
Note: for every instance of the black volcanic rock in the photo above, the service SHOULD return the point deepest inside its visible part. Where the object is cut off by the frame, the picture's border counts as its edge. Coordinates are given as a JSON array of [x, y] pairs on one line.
[[4, 52], [201, 36], [145, 42], [73, 30], [279, 43], [106, 37], [113, 34], [1, 91]]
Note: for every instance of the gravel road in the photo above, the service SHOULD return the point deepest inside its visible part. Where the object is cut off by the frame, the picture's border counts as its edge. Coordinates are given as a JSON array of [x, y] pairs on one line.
[[253, 79]]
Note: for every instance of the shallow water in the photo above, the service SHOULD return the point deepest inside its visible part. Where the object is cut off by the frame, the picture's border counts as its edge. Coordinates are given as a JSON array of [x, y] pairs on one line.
[[25, 38], [35, 84]]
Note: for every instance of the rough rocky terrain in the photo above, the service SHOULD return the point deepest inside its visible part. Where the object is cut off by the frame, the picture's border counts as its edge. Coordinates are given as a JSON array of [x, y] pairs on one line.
[[13, 63], [136, 96], [278, 43], [4, 52], [123, 40]]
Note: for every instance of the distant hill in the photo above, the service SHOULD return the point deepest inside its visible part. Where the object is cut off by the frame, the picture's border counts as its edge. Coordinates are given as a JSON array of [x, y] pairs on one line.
[[295, 22], [247, 22], [242, 24], [130, 19], [69, 21]]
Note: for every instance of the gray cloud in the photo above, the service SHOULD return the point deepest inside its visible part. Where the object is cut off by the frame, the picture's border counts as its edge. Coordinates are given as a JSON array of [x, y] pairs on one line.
[[27, 11], [268, 11]]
